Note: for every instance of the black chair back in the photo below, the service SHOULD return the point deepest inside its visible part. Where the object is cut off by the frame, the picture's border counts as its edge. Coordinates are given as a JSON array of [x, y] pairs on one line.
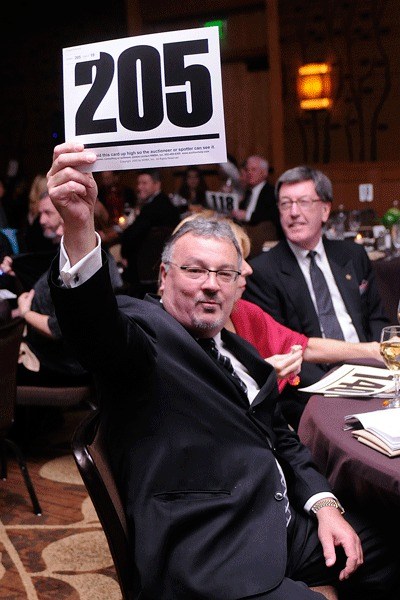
[[90, 453]]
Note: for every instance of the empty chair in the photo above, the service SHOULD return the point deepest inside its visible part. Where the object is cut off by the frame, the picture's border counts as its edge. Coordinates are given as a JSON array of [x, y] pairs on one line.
[[41, 408], [10, 340], [260, 233], [90, 453]]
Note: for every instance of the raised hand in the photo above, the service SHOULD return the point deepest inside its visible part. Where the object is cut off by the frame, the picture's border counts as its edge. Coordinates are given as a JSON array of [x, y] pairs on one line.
[[74, 193]]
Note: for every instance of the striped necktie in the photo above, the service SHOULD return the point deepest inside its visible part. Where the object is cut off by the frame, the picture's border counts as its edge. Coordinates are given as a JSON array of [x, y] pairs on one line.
[[327, 317], [210, 347]]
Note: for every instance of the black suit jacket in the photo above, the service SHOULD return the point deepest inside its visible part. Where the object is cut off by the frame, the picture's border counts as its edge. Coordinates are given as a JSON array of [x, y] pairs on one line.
[[160, 212], [278, 286], [266, 208], [194, 461], [157, 213]]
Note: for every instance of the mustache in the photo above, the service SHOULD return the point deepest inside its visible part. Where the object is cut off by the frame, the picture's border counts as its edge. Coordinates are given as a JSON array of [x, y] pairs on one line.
[[207, 296]]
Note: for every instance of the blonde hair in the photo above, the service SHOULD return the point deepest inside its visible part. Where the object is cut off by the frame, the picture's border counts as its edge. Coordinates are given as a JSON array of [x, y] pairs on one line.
[[37, 189], [240, 234]]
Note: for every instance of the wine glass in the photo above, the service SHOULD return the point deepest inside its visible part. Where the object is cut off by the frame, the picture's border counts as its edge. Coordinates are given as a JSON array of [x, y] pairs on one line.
[[398, 312], [354, 221], [390, 351]]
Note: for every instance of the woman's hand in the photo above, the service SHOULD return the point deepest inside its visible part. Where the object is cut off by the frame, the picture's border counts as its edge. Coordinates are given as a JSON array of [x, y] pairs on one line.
[[287, 366], [25, 302]]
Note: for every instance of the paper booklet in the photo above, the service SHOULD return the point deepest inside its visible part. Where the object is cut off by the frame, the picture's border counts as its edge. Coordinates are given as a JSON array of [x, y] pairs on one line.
[[380, 429], [356, 381], [371, 440]]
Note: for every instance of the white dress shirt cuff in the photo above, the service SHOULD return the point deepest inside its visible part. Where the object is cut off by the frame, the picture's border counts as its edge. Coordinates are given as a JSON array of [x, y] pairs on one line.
[[83, 270], [311, 501]]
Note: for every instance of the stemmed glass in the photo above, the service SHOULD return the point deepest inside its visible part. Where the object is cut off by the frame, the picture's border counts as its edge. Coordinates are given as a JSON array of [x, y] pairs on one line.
[[390, 351], [354, 221], [398, 312]]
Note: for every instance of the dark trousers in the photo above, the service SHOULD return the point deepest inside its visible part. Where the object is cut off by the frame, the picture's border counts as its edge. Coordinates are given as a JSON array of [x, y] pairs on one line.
[[376, 579]]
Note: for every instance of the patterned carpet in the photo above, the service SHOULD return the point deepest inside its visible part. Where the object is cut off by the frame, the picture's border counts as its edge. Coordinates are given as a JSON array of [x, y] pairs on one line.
[[63, 554]]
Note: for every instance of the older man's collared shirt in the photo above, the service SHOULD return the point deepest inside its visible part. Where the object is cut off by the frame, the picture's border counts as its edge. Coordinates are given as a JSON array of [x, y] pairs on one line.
[[346, 324]]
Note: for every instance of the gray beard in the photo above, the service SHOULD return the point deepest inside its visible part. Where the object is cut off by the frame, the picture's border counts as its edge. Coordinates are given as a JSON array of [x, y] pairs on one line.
[[202, 326]]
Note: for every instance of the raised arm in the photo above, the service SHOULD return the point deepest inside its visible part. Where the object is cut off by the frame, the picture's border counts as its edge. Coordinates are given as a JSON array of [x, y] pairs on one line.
[[74, 193]]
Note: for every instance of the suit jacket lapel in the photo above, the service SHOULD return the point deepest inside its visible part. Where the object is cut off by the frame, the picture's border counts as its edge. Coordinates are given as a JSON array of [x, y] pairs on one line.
[[248, 356], [262, 372]]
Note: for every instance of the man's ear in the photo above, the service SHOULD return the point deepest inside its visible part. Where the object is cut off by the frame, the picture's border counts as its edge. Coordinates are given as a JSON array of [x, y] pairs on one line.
[[327, 207], [161, 279]]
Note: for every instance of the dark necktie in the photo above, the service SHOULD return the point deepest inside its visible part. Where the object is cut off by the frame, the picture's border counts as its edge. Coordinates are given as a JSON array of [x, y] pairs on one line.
[[327, 316], [210, 347]]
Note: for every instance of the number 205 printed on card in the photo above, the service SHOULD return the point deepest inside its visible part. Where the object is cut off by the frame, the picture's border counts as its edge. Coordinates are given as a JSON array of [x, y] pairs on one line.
[[147, 101]]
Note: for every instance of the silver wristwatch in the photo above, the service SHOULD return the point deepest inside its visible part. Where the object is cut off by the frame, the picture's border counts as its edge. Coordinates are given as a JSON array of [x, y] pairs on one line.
[[327, 502]]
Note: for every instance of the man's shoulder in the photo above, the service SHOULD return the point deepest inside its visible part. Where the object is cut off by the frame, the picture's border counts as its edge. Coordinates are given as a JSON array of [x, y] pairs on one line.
[[130, 303], [162, 197], [268, 190], [161, 203], [148, 308], [345, 248], [268, 186]]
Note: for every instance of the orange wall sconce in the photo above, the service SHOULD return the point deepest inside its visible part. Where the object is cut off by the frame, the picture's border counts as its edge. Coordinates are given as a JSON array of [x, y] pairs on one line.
[[314, 86]]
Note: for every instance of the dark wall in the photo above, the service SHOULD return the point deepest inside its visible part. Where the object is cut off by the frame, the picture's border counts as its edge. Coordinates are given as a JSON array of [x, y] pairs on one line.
[[31, 102], [359, 39]]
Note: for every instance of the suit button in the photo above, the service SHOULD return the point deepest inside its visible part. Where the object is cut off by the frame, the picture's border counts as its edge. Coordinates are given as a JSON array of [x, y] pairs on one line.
[[278, 496]]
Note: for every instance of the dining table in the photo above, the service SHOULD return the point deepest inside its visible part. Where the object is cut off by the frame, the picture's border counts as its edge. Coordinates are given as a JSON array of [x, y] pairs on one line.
[[358, 474]]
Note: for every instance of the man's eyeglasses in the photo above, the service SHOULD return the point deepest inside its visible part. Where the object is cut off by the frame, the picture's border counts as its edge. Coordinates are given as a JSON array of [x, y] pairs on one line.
[[223, 275], [305, 203]]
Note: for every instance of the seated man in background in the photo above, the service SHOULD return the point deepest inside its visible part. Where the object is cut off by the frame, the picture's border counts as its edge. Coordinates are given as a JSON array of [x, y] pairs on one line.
[[259, 203], [219, 492], [345, 303], [156, 210], [46, 359]]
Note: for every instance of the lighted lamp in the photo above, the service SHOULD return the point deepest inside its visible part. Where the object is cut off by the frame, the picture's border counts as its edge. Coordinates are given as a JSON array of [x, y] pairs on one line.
[[314, 86]]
